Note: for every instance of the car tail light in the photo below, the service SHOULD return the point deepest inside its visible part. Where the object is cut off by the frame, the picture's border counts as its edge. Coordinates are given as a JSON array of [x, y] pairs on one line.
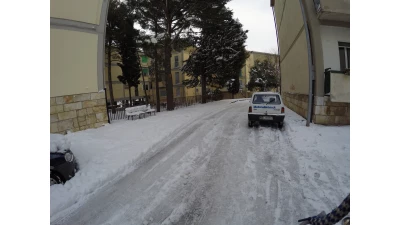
[[69, 157], [250, 109], [283, 110]]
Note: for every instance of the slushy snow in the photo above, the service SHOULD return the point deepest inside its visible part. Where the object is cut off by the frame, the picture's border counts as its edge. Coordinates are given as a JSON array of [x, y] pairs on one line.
[[108, 152], [203, 164], [59, 143]]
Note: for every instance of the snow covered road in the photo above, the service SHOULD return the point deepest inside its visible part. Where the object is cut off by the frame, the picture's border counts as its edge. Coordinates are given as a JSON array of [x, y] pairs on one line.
[[216, 170]]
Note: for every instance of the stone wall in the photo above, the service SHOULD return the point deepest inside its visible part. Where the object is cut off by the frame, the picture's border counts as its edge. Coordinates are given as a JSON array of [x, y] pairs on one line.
[[77, 112], [325, 112], [296, 102], [330, 113]]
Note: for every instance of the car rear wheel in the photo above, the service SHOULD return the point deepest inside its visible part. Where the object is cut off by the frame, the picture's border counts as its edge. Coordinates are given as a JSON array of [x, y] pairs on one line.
[[55, 179], [250, 123], [280, 125]]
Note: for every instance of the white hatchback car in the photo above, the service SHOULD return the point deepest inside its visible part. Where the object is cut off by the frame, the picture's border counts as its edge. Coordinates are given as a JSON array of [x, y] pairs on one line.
[[267, 107]]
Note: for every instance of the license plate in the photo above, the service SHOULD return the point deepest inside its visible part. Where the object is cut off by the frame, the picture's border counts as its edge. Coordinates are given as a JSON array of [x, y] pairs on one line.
[[266, 118]]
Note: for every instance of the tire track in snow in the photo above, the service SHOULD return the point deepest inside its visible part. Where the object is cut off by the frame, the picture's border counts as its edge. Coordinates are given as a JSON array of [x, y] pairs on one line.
[[170, 204], [218, 198], [293, 208], [208, 181], [236, 175], [170, 201], [158, 151], [269, 154], [282, 177]]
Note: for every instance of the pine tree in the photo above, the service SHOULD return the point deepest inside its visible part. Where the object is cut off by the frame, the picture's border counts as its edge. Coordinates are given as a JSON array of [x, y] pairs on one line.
[[156, 70], [151, 43], [174, 23], [127, 47], [130, 65], [263, 76], [112, 29], [220, 53], [233, 86]]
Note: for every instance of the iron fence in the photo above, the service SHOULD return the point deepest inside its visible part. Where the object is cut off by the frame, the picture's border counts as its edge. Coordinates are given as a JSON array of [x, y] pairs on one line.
[[118, 115], [179, 102]]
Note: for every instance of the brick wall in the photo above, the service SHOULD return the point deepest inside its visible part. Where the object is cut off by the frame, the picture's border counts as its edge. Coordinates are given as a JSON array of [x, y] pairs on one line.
[[77, 112]]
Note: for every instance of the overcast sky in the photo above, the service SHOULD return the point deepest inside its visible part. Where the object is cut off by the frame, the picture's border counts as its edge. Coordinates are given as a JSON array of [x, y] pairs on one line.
[[257, 17]]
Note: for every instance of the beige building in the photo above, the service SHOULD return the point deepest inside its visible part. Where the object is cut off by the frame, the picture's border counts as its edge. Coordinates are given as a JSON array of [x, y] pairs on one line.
[[177, 62], [77, 99], [180, 91], [254, 56], [329, 40], [244, 76], [121, 92], [77, 73]]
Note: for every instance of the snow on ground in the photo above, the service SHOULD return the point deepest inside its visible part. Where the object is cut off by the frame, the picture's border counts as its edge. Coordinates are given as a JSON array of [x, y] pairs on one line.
[[111, 151], [316, 144], [203, 165]]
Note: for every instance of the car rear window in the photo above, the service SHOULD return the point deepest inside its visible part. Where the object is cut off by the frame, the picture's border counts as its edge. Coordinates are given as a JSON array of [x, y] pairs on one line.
[[56, 155], [265, 98]]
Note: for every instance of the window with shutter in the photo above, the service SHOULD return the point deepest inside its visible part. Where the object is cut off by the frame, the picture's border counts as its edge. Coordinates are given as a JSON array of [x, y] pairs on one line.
[[176, 61], [177, 81]]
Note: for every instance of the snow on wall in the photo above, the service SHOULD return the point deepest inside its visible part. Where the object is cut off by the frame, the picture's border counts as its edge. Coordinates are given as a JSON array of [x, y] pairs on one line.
[[330, 36]]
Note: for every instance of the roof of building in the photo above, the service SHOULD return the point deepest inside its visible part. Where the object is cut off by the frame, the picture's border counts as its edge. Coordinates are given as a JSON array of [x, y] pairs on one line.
[[264, 53]]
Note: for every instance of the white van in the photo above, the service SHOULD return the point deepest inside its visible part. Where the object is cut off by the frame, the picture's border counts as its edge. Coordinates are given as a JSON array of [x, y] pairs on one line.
[[267, 107]]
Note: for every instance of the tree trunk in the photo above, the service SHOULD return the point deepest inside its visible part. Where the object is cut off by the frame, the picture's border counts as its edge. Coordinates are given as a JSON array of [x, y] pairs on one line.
[[137, 91], [157, 80], [167, 60], [167, 68], [156, 70], [110, 86], [130, 97], [145, 91], [203, 89]]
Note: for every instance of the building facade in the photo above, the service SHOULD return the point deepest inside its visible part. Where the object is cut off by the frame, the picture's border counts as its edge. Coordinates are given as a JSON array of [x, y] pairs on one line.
[[179, 90], [244, 76], [121, 92], [77, 73], [328, 24], [77, 99], [253, 57]]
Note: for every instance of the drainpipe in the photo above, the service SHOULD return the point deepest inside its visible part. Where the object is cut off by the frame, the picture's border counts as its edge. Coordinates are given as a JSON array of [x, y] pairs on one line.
[[245, 78], [279, 52], [310, 66]]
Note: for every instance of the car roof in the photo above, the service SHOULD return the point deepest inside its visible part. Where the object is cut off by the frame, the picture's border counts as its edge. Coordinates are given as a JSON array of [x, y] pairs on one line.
[[268, 92]]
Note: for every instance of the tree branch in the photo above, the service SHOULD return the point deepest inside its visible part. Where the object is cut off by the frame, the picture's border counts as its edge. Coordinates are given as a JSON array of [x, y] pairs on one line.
[[175, 38]]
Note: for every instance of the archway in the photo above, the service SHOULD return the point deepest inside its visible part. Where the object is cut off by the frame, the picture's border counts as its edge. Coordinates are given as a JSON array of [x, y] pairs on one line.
[[77, 32]]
